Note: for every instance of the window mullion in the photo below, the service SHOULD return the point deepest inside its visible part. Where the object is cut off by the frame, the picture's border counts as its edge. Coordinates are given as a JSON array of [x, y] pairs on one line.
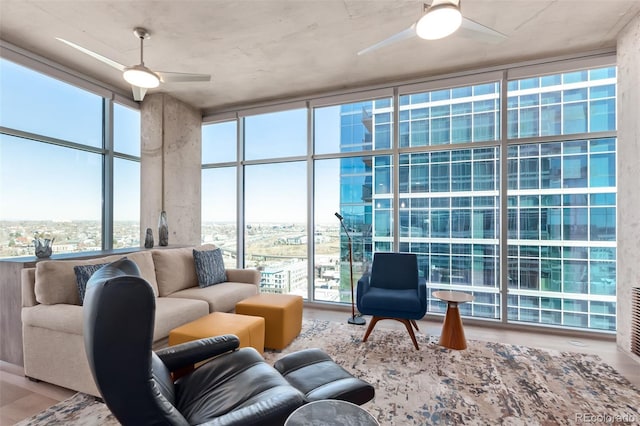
[[107, 176], [504, 212]]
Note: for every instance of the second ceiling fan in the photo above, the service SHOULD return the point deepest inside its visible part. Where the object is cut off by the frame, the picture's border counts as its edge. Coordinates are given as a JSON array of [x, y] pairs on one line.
[[139, 76], [440, 19]]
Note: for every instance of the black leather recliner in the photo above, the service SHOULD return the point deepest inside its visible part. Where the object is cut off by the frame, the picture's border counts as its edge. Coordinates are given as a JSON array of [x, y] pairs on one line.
[[236, 387]]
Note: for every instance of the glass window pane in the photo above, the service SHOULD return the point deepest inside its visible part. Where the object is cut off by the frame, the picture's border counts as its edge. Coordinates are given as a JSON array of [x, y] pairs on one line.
[[219, 207], [461, 129], [459, 115], [419, 133], [276, 226], [602, 115], [126, 130], [575, 118], [68, 207], [529, 125], [30, 102], [575, 102], [219, 142], [277, 134], [602, 170], [574, 171], [470, 264], [126, 204], [331, 259], [585, 220], [574, 77], [353, 127]]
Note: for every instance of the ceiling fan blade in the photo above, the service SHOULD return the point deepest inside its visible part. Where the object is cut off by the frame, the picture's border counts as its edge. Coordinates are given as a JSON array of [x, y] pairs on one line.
[[402, 35], [138, 93], [472, 29], [180, 77], [101, 58]]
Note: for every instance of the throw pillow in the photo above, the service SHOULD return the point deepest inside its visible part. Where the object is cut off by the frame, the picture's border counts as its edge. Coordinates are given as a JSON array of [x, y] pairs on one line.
[[83, 273], [209, 267]]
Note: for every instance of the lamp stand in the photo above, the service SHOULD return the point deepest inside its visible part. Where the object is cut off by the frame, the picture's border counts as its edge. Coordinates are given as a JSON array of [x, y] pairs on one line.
[[353, 319]]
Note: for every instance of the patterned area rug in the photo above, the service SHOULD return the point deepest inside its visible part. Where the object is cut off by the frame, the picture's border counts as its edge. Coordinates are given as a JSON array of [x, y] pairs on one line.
[[489, 383]]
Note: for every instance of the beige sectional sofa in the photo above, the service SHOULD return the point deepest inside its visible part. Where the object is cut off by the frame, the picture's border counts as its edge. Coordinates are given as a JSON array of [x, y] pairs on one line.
[[52, 318]]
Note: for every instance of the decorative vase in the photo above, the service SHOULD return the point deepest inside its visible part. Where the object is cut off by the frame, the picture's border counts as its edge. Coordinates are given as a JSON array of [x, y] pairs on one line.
[[163, 229], [148, 239], [43, 247]]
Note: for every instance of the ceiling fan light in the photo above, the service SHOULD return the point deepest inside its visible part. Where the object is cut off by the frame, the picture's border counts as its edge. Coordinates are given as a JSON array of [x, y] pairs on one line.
[[141, 76], [440, 21]]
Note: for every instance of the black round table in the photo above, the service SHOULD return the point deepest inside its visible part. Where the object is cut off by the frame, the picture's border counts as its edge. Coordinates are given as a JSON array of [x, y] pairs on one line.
[[331, 412]]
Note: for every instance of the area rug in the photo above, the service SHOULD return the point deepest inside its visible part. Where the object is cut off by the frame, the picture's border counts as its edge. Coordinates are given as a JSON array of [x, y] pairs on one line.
[[489, 383]]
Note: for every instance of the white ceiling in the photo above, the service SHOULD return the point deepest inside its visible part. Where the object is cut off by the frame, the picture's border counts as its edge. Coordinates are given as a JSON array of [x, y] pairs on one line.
[[263, 50]]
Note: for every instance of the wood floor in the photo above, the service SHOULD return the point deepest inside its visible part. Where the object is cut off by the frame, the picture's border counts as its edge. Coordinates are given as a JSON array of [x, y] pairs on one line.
[[21, 398]]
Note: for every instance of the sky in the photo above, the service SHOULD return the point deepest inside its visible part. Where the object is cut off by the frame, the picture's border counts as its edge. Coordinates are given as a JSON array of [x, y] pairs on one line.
[[274, 192], [40, 181]]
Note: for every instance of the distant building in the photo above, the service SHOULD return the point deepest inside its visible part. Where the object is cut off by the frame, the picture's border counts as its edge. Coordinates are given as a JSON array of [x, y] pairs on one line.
[[285, 278]]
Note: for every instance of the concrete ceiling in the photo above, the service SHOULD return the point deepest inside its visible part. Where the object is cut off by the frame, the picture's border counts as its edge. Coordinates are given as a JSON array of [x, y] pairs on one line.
[[264, 50]]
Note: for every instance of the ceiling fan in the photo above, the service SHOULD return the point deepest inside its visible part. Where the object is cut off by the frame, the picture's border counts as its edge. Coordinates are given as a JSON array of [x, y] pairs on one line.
[[139, 76], [441, 19]]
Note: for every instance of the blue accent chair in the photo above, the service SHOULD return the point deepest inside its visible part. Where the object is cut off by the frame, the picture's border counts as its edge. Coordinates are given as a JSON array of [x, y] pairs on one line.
[[393, 290]]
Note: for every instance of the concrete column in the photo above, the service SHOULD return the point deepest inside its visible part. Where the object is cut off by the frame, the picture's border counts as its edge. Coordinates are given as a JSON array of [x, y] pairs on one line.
[[171, 168], [628, 148]]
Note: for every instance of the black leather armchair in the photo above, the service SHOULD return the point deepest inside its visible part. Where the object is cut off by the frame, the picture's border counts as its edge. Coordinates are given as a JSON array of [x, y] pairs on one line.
[[235, 387]]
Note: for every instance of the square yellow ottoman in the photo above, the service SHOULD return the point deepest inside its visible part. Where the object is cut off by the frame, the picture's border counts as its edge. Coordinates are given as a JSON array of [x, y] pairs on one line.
[[282, 314], [249, 329]]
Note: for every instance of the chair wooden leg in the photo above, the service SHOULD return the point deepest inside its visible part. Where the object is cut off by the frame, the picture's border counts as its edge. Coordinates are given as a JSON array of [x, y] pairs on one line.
[[372, 324], [408, 326], [413, 322]]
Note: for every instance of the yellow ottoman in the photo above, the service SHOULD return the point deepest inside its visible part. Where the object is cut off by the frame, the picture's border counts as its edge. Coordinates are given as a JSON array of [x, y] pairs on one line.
[[282, 314], [249, 329]]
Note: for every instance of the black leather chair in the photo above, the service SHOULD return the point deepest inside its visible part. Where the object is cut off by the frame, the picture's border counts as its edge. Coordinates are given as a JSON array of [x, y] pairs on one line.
[[236, 387]]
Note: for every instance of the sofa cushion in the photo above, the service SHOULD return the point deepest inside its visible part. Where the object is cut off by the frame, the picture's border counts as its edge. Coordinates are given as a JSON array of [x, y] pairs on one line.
[[174, 312], [175, 268], [60, 317], [220, 297], [209, 267], [170, 313], [83, 273], [56, 279]]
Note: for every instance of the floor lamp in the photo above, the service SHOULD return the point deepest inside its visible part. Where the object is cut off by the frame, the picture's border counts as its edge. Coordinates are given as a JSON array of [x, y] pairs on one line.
[[353, 319]]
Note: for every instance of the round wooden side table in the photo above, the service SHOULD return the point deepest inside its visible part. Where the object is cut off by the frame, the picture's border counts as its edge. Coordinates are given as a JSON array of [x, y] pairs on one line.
[[452, 335]]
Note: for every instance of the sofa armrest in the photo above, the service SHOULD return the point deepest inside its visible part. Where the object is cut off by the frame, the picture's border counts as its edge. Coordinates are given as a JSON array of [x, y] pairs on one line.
[[249, 276], [28, 286], [189, 353]]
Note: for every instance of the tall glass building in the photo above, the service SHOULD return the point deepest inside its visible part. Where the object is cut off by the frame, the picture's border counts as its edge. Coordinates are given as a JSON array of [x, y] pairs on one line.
[[557, 193]]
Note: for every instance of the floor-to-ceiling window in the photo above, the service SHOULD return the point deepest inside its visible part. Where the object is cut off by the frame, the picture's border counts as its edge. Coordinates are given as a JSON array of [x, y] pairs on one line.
[[219, 190], [449, 196], [54, 158], [505, 187], [344, 184], [562, 199], [275, 199], [126, 176], [273, 173]]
